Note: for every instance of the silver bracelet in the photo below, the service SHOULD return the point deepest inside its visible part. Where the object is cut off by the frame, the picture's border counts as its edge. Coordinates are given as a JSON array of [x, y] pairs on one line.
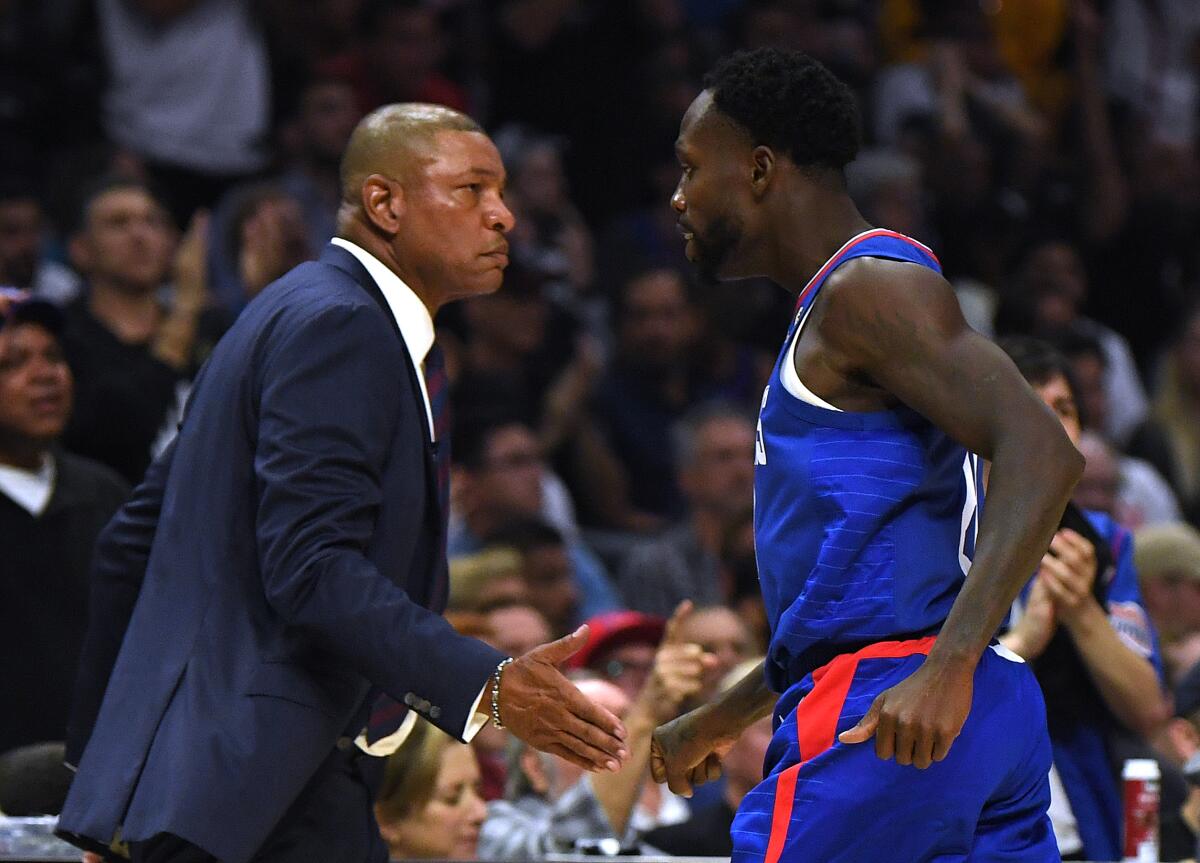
[[496, 693]]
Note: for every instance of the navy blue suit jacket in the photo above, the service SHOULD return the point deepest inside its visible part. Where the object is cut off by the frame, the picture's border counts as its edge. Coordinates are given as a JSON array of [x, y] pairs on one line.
[[279, 563]]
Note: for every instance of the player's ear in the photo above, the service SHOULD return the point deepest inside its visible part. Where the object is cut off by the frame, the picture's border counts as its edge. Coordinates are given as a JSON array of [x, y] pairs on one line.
[[762, 168]]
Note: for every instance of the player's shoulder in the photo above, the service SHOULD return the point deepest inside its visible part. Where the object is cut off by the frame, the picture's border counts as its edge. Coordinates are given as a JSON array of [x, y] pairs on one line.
[[875, 276], [872, 301]]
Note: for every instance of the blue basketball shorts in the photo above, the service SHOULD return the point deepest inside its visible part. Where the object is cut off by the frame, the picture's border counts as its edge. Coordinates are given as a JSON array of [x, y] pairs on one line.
[[823, 801]]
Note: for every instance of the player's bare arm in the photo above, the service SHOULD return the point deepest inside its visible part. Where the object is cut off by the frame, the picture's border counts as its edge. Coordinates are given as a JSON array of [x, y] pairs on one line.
[[899, 327], [687, 751]]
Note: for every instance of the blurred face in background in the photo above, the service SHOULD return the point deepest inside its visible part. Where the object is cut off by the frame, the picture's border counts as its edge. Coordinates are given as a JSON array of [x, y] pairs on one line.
[[657, 323], [627, 667], [517, 629], [720, 477], [20, 239], [1097, 488], [1058, 284], [328, 114], [723, 634], [1056, 394], [510, 477], [447, 826], [127, 241], [405, 50], [35, 386], [540, 182]]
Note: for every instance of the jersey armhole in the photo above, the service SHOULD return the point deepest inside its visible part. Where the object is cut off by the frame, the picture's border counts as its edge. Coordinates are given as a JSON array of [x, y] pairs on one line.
[[791, 379]]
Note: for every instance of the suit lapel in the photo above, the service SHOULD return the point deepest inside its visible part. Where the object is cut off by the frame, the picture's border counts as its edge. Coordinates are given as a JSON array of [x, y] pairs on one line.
[[338, 257]]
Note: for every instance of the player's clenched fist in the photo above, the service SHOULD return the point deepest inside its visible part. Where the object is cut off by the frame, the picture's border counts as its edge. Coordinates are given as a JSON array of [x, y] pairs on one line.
[[687, 751]]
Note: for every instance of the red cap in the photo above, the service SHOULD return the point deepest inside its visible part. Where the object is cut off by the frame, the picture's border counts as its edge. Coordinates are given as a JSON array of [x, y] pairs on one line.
[[615, 628]]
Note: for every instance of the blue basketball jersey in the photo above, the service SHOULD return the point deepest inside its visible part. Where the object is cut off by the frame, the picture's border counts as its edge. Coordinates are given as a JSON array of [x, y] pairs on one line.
[[865, 523]]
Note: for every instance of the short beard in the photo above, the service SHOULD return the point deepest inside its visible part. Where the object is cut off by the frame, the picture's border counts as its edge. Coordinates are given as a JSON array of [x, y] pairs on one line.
[[713, 250]]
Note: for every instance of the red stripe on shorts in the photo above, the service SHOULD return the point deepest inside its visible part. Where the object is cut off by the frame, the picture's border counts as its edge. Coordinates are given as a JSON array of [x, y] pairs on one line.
[[816, 726], [785, 795]]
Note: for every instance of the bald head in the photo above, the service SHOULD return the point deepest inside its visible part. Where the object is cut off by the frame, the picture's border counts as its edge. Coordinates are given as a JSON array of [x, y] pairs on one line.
[[393, 139], [423, 192]]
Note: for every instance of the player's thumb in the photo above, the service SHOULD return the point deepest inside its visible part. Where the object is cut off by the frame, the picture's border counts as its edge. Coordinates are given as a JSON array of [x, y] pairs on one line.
[[558, 652], [865, 727]]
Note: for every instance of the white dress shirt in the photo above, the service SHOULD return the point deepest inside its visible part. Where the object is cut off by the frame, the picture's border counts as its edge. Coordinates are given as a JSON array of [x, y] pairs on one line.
[[416, 328], [28, 489]]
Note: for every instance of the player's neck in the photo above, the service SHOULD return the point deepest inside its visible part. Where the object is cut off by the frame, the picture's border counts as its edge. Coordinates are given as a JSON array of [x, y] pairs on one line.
[[819, 225]]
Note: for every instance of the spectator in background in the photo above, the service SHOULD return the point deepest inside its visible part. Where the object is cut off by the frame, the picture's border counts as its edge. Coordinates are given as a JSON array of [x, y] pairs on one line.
[[515, 627], [429, 804], [562, 580], [620, 648], [482, 580], [22, 232], [52, 507], [648, 388], [518, 627], [1168, 564], [326, 113], [499, 478], [398, 57], [1128, 489], [258, 234], [188, 93], [1153, 68], [130, 355], [1050, 292], [714, 451], [1080, 622], [551, 808], [1179, 742], [550, 237], [516, 359], [1177, 411], [724, 636]]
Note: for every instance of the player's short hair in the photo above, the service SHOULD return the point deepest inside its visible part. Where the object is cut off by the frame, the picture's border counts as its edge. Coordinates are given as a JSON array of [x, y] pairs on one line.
[[790, 102]]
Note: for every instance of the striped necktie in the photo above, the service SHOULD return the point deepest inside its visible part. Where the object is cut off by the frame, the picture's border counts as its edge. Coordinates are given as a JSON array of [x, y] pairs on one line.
[[388, 714]]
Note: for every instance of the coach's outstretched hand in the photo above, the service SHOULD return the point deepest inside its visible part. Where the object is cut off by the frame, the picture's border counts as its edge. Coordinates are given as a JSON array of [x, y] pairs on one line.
[[918, 719], [544, 709]]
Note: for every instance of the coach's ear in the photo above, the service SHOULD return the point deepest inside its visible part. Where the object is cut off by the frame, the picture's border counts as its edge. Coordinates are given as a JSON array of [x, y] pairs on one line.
[[762, 170]]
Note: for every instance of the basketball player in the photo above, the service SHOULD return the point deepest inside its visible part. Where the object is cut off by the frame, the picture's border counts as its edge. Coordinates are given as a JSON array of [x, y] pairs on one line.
[[903, 731]]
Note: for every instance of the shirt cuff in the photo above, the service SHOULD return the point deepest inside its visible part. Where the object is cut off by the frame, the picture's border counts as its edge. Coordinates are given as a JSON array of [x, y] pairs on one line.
[[387, 745], [477, 718]]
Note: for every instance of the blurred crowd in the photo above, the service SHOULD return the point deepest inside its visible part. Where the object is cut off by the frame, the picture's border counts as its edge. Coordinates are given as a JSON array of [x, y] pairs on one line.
[[165, 160]]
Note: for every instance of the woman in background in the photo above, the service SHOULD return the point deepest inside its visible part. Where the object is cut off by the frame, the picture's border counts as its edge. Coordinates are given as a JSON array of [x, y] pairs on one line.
[[429, 804]]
